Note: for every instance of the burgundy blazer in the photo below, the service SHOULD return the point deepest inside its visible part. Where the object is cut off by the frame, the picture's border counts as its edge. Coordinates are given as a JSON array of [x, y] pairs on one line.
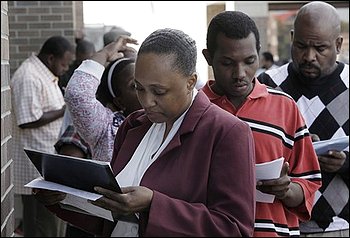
[[203, 181]]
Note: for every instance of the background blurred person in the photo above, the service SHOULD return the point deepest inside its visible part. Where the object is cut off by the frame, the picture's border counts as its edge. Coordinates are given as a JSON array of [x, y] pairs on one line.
[[108, 100], [84, 49], [266, 62], [38, 107]]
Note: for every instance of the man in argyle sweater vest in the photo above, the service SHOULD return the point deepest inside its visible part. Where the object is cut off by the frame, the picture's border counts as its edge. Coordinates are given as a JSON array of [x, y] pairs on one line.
[[320, 86]]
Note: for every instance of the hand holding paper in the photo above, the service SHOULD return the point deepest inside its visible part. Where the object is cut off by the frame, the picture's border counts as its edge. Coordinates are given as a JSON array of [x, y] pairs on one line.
[[267, 171], [134, 199], [48, 197], [338, 144], [75, 197]]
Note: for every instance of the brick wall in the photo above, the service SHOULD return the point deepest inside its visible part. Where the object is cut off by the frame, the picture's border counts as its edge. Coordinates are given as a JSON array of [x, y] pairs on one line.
[[32, 22], [7, 202], [25, 25]]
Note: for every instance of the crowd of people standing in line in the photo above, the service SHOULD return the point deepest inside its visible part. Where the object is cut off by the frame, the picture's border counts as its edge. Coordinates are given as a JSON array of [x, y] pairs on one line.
[[185, 157]]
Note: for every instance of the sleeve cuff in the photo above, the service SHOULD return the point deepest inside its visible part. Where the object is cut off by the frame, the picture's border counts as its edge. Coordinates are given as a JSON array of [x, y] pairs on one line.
[[92, 67]]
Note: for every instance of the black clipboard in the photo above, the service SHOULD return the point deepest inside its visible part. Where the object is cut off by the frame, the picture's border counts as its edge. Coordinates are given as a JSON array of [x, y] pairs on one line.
[[74, 172]]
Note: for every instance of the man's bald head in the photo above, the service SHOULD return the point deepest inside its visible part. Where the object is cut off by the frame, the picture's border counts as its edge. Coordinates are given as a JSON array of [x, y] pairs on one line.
[[316, 40], [319, 14]]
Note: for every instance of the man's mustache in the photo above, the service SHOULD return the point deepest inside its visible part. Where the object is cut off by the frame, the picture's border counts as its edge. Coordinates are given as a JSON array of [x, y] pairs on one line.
[[308, 66]]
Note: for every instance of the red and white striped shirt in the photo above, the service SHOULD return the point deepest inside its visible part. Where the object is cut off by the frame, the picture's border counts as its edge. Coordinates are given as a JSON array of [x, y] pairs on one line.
[[279, 130]]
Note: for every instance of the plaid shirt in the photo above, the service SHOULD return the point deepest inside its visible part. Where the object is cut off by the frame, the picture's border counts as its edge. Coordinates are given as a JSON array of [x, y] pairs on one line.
[[71, 136], [34, 91]]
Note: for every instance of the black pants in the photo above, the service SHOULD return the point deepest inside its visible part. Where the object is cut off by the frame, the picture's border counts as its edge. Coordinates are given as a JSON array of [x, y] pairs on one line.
[[73, 231], [38, 221]]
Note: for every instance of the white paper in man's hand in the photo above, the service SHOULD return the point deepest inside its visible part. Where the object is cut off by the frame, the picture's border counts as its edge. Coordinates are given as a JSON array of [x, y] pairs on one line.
[[264, 171], [339, 144]]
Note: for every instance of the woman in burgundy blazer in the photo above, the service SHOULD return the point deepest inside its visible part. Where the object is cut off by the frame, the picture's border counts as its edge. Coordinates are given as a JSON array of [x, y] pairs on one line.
[[200, 180]]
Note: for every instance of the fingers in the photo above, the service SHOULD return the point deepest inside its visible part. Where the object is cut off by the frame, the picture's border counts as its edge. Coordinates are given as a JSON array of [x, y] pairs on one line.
[[128, 189], [315, 137], [111, 194], [124, 39], [111, 205], [48, 197], [282, 194], [114, 50], [117, 55], [285, 169], [35, 191], [121, 43], [337, 154], [279, 186], [282, 180], [133, 199], [332, 162], [274, 189]]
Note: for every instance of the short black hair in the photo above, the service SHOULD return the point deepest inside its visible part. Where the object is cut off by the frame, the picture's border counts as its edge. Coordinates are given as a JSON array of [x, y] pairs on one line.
[[235, 25], [56, 46], [84, 47], [268, 56], [169, 41], [103, 94]]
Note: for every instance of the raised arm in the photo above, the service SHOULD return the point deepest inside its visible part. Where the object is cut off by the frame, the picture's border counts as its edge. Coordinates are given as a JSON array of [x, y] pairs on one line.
[[93, 121]]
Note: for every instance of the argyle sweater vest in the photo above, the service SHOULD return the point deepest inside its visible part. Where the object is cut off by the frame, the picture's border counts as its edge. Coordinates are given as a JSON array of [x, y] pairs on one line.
[[325, 107]]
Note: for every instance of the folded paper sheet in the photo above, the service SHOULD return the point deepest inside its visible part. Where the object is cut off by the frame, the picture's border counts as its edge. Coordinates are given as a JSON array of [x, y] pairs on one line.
[[338, 144], [264, 171], [75, 197]]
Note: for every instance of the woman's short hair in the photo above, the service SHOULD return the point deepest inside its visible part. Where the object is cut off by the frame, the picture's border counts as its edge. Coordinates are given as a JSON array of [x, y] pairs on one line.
[[173, 42]]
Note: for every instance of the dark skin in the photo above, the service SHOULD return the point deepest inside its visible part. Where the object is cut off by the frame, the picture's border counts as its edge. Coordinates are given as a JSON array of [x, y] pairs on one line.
[[332, 161], [71, 150], [46, 118], [316, 42], [48, 197], [58, 66], [123, 84], [266, 64], [133, 199], [159, 91], [234, 63], [126, 98], [163, 93]]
